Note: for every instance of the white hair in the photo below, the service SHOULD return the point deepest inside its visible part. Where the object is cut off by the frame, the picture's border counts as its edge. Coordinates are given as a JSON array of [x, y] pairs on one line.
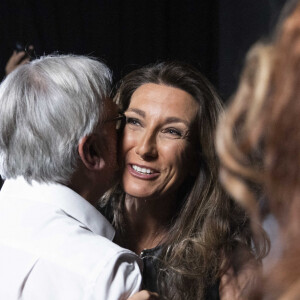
[[46, 107]]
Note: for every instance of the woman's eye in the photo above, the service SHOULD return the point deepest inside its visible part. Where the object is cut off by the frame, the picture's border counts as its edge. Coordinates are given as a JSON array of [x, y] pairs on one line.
[[133, 121], [173, 132]]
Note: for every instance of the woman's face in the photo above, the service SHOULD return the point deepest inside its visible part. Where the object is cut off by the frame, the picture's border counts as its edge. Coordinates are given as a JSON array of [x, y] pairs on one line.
[[156, 148]]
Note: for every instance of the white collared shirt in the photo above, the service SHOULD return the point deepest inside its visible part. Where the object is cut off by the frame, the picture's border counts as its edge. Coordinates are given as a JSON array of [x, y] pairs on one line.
[[54, 245]]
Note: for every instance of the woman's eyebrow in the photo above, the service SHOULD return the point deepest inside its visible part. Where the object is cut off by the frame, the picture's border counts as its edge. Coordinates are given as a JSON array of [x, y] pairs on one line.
[[177, 120], [167, 120], [137, 111]]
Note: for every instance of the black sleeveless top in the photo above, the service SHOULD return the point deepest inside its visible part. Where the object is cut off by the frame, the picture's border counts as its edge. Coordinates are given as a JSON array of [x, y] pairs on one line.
[[150, 259], [150, 268]]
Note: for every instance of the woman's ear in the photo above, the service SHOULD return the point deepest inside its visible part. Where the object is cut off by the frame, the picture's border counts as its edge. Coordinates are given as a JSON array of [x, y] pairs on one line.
[[90, 153]]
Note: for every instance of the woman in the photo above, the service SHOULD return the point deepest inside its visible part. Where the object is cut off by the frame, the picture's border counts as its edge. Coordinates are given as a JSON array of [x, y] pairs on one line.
[[259, 146], [169, 207]]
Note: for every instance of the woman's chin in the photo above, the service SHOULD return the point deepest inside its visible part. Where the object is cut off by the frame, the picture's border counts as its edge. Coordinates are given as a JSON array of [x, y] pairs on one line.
[[140, 195], [139, 190]]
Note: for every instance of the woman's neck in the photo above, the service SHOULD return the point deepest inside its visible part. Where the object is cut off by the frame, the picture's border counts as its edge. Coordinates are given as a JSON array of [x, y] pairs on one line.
[[147, 222]]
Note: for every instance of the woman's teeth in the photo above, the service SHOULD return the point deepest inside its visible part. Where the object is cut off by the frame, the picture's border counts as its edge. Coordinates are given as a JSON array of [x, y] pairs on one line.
[[142, 170]]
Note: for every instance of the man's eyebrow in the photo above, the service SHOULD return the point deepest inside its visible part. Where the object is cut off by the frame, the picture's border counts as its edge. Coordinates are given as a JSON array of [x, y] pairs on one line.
[[137, 111]]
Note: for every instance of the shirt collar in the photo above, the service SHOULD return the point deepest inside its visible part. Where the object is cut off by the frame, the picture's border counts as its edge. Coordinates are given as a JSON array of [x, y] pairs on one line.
[[63, 197]]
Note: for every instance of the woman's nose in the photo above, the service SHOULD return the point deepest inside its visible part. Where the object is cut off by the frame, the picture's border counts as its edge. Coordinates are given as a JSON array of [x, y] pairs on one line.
[[146, 146]]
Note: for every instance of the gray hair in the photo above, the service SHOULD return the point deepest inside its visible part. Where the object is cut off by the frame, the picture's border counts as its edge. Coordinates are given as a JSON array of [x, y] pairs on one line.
[[46, 107]]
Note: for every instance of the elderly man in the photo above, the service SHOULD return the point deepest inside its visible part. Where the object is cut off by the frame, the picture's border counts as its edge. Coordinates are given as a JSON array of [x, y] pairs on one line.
[[58, 156]]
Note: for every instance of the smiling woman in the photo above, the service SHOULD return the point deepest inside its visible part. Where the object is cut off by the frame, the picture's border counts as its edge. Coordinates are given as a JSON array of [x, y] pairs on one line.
[[156, 147], [169, 206]]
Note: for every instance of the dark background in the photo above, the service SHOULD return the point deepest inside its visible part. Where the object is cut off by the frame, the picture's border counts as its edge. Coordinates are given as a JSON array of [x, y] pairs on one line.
[[212, 35]]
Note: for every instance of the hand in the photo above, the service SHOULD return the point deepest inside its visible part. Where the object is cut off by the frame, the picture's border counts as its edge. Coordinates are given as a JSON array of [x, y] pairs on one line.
[[144, 295], [17, 59]]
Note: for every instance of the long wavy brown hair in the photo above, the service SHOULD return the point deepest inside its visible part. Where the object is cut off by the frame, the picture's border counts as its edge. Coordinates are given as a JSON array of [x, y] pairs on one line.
[[258, 142], [208, 227]]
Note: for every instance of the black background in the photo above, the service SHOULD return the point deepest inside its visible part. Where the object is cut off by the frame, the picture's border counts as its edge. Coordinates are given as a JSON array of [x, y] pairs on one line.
[[212, 35]]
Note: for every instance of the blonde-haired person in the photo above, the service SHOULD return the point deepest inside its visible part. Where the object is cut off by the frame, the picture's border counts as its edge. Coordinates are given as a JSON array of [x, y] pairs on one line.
[[258, 142]]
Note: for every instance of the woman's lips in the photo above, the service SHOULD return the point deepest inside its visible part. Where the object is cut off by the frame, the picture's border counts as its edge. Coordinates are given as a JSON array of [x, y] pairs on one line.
[[142, 172]]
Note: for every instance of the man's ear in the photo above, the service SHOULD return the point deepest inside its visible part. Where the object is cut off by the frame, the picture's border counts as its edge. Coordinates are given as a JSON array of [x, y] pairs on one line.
[[90, 153]]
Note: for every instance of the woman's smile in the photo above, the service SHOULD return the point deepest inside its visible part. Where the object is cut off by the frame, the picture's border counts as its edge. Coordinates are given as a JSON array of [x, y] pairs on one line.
[[142, 172]]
